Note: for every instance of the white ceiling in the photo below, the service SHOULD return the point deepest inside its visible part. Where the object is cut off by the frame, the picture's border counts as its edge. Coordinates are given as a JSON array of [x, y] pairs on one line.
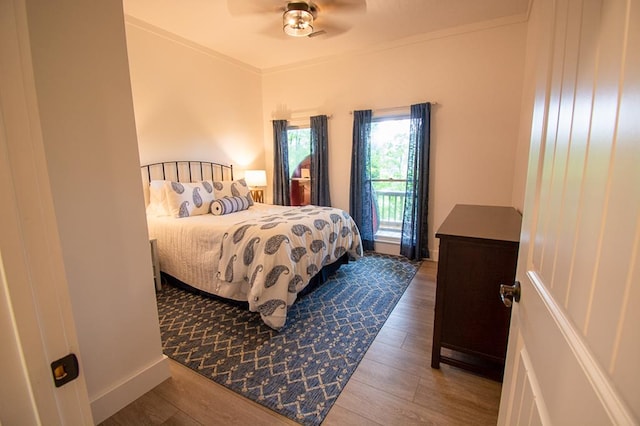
[[257, 39]]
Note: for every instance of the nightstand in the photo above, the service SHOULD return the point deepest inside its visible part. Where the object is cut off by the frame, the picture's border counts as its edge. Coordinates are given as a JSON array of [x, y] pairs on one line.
[[157, 279], [257, 195]]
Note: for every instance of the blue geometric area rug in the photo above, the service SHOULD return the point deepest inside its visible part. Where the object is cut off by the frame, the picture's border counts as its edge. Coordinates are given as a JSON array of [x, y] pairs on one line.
[[300, 371]]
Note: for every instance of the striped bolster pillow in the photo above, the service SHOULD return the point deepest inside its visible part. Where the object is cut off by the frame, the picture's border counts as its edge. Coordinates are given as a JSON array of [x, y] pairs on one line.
[[226, 205]]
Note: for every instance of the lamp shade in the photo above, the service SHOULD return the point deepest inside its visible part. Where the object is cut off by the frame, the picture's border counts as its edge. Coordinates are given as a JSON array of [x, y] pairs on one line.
[[255, 178]]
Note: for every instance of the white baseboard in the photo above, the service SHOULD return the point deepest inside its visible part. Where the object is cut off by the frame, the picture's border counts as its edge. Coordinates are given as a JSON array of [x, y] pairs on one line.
[[393, 248], [384, 247], [434, 255], [129, 390]]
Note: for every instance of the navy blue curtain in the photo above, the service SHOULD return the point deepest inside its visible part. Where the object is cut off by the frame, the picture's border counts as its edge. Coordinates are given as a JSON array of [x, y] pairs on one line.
[[360, 196], [281, 195], [319, 162], [414, 239]]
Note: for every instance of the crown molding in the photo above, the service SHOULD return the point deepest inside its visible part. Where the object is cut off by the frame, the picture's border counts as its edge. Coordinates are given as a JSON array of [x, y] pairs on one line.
[[168, 35], [407, 41]]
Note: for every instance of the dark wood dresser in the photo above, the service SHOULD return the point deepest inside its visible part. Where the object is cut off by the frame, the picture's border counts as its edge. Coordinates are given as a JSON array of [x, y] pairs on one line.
[[478, 252]]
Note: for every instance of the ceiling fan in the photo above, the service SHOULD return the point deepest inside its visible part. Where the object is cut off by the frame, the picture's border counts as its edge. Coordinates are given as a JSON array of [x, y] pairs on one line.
[[297, 20], [301, 18]]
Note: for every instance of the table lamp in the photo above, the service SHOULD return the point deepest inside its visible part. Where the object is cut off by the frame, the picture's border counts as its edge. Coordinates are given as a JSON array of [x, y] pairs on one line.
[[256, 180]]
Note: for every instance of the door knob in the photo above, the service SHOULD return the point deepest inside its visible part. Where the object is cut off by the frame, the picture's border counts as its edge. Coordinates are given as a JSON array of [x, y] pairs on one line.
[[510, 293]]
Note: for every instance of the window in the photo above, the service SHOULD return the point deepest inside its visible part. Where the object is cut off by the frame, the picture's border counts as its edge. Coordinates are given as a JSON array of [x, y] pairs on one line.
[[299, 148], [389, 151], [299, 165]]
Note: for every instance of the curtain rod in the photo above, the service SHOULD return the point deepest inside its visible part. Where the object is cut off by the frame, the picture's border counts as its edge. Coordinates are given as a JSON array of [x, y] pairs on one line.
[[389, 109], [329, 116]]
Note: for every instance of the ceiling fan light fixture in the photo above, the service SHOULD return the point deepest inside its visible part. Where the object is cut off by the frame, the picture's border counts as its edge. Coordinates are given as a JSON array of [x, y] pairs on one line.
[[297, 20]]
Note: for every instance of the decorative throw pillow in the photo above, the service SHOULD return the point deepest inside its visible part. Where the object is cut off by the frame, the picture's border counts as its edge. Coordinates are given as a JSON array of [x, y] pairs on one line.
[[226, 205], [157, 199], [188, 199], [232, 188]]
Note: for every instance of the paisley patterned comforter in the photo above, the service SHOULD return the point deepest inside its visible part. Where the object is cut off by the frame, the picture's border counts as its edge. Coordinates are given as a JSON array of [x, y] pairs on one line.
[[264, 255], [279, 253]]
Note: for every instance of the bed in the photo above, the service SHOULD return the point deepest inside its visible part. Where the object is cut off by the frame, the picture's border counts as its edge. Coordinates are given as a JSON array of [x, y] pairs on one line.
[[211, 236]]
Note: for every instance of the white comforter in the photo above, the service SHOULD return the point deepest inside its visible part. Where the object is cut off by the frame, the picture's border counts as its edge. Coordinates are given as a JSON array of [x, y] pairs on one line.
[[264, 255]]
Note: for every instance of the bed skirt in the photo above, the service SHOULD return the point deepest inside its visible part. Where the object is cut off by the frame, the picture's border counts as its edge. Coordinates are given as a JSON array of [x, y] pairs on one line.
[[318, 279]]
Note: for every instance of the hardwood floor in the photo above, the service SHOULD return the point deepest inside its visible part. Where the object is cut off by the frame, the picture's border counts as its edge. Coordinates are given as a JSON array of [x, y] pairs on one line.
[[394, 384]]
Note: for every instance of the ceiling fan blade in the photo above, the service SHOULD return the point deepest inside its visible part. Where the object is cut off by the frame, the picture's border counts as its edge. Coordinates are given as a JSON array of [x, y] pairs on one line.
[[252, 7], [274, 31], [327, 30], [317, 33], [342, 5]]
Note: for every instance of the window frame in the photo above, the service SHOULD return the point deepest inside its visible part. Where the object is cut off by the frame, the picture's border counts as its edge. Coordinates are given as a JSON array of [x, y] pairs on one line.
[[389, 236]]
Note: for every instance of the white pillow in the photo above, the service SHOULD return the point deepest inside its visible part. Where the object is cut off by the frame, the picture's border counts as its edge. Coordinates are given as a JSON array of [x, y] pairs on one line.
[[188, 199], [157, 199], [232, 188]]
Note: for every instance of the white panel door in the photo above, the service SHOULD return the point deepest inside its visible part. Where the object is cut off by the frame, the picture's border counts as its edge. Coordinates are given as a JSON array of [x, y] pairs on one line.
[[36, 324], [574, 346]]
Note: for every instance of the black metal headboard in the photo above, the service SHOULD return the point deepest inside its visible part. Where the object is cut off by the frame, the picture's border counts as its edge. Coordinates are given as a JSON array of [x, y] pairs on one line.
[[186, 171]]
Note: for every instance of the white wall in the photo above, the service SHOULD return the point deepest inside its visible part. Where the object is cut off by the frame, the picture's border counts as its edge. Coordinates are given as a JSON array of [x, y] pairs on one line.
[[191, 103], [475, 76], [88, 131]]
